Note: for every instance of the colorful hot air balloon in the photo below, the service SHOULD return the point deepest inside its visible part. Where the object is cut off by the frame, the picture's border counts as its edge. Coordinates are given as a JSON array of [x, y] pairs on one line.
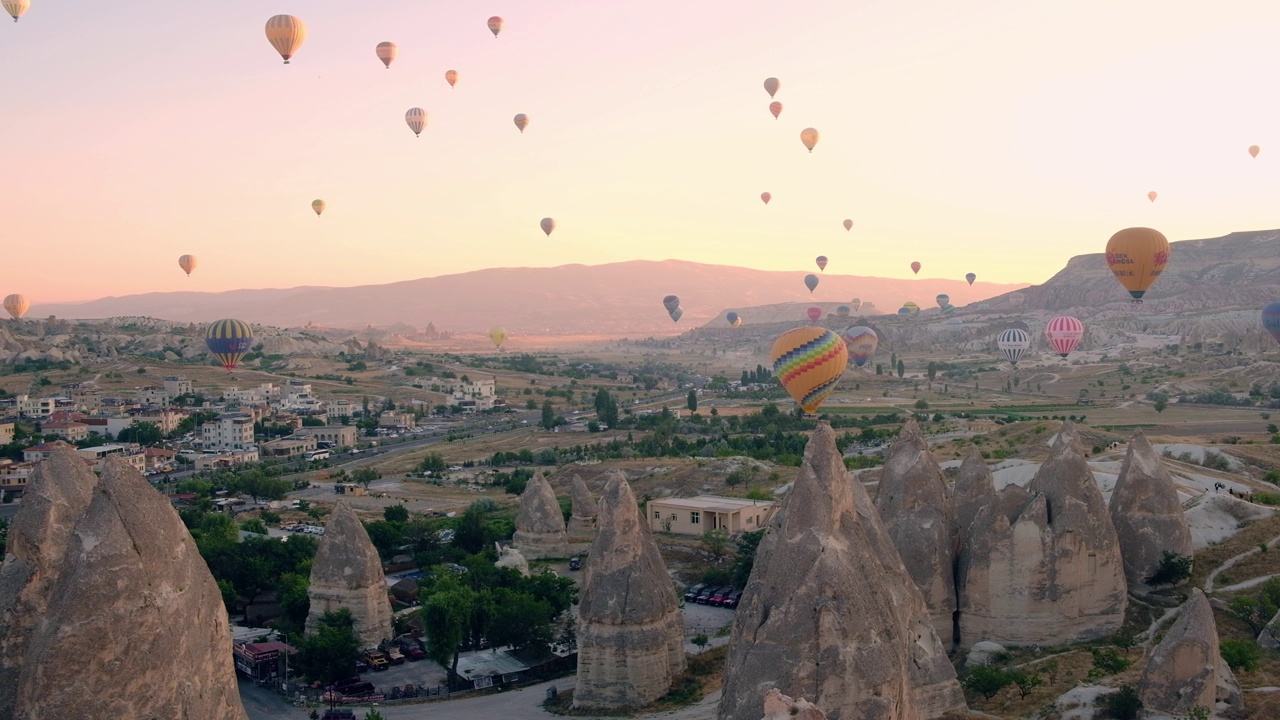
[[1152, 196], [943, 300], [676, 314], [915, 268], [775, 107], [187, 263], [814, 314], [734, 320], [822, 262], [809, 137], [848, 225], [498, 335], [1270, 319], [1254, 150], [904, 311], [495, 25], [451, 77], [417, 120], [1013, 343], [970, 277], [387, 52], [286, 34], [811, 281], [547, 225], [1064, 333], [855, 304], [862, 342], [318, 206], [229, 340], [16, 305], [914, 308], [766, 197], [521, 121], [771, 86], [1136, 257], [17, 8], [948, 309], [809, 361], [842, 311]]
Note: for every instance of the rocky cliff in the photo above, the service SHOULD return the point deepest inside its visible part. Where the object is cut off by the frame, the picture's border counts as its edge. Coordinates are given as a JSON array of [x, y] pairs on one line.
[[347, 573], [1186, 671], [1147, 515]]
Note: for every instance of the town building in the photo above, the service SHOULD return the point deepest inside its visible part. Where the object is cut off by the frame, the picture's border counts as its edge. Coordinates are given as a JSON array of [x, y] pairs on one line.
[[135, 455], [473, 395], [227, 459], [165, 420], [261, 394], [107, 426], [230, 431], [13, 477], [175, 385], [72, 431], [396, 420], [159, 458], [36, 453], [36, 407], [336, 435], [153, 396], [341, 409], [697, 515], [6, 433], [291, 446]]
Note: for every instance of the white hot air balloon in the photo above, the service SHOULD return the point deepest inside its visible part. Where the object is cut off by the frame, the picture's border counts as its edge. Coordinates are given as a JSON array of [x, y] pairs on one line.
[[417, 120]]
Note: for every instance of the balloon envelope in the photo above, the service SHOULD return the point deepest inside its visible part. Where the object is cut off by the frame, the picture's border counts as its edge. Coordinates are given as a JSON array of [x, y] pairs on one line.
[[676, 314], [498, 335], [521, 121], [855, 304], [495, 25], [814, 314], [1064, 333], [848, 224], [809, 137], [809, 361], [17, 8], [904, 311], [766, 197], [775, 107], [16, 305], [822, 262], [451, 77], [1136, 257], [862, 342], [943, 300], [387, 52], [1152, 196], [1270, 319], [228, 340], [318, 206], [811, 281], [1013, 343], [1254, 150], [914, 308], [417, 120], [970, 277], [1017, 299], [547, 225], [771, 86], [187, 263], [286, 34], [670, 302], [733, 318], [915, 268], [842, 311]]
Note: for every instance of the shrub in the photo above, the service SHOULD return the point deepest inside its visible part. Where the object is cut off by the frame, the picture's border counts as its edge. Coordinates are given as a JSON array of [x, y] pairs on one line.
[[1240, 654], [986, 680], [1109, 661], [1173, 569], [1123, 704]]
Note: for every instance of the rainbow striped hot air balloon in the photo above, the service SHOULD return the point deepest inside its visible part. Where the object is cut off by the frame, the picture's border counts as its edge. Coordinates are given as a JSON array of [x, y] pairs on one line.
[[229, 340], [809, 362], [862, 342]]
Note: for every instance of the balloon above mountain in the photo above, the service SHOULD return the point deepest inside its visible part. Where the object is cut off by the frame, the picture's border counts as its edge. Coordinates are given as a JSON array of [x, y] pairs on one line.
[[495, 25], [811, 281], [676, 314], [914, 308], [915, 268], [229, 340], [1013, 343], [1136, 257], [671, 302], [843, 311], [16, 305], [862, 342], [855, 303], [416, 118], [1064, 333], [771, 86], [498, 335], [734, 319], [187, 263], [1152, 196], [814, 314], [970, 277], [809, 361], [547, 225], [775, 107], [822, 262], [1270, 319], [809, 137], [286, 34], [943, 300], [387, 52]]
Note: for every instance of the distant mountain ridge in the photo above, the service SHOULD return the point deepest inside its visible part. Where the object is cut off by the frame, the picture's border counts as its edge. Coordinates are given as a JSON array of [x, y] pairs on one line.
[[615, 298]]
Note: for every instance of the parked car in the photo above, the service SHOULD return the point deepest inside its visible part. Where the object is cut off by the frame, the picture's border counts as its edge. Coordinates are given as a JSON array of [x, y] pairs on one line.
[[362, 666], [411, 650], [731, 601], [376, 660], [575, 563], [704, 595], [394, 655], [691, 595], [717, 598], [356, 690]]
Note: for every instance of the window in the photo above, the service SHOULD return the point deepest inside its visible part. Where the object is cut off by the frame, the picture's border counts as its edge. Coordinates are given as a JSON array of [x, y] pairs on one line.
[[751, 519], [657, 514], [693, 518]]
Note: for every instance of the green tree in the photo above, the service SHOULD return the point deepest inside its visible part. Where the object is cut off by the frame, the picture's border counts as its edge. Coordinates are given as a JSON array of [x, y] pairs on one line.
[[745, 558], [331, 654], [310, 421], [1161, 401], [433, 463], [469, 534], [986, 680], [1240, 654], [395, 513], [548, 415], [373, 714], [143, 433], [294, 600], [922, 404], [446, 617], [716, 542], [692, 401], [365, 476], [701, 640], [1124, 704], [1026, 681], [902, 369], [932, 372], [1172, 569], [606, 408]]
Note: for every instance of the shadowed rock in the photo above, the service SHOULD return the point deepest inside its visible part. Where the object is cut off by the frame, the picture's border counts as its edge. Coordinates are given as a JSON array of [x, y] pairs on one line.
[[1043, 566], [136, 627], [975, 489], [831, 614], [1186, 670], [347, 573], [915, 506], [1146, 513], [780, 707], [540, 531], [509, 557], [582, 522], [630, 631]]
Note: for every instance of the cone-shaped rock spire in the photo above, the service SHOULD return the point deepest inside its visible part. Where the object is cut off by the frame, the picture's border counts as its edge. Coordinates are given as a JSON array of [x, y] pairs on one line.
[[975, 489], [540, 528], [1186, 670], [347, 573], [582, 522], [1146, 513]]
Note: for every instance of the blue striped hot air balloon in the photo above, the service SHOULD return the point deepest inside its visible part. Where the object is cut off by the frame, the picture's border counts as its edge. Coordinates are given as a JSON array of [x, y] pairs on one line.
[[229, 340]]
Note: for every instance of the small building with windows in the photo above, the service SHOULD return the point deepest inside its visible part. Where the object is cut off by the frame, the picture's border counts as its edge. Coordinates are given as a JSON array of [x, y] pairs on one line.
[[697, 515]]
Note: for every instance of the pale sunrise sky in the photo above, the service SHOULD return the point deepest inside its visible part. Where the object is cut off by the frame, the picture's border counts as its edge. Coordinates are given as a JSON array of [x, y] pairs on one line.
[[999, 137]]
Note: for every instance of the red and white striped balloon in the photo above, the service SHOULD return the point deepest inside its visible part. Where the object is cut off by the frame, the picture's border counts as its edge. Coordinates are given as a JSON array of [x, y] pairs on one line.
[[1064, 333]]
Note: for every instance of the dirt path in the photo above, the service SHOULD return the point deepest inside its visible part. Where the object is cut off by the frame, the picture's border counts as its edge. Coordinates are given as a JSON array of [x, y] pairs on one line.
[[1208, 583]]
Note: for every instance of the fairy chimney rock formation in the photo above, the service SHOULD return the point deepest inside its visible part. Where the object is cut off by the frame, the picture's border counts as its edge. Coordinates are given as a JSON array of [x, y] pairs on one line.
[[630, 630], [1042, 566], [347, 573], [975, 489], [1186, 670], [582, 522], [509, 557], [915, 507], [134, 625], [831, 614], [540, 529], [1146, 513], [780, 707]]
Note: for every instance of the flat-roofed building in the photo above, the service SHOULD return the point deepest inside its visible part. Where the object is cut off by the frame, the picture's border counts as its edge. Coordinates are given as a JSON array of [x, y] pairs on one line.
[[231, 431], [209, 461], [396, 420], [697, 515], [337, 435], [291, 446], [176, 385], [134, 454], [72, 431], [6, 433]]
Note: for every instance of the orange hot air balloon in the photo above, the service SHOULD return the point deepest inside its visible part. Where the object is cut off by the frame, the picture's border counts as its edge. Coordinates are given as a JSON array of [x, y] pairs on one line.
[[809, 137], [809, 361], [766, 197], [771, 86], [1136, 257], [1254, 150], [775, 107], [547, 225], [387, 52], [318, 206], [17, 305], [522, 121], [451, 77], [286, 34], [848, 225], [187, 263], [495, 25], [915, 268], [1152, 196]]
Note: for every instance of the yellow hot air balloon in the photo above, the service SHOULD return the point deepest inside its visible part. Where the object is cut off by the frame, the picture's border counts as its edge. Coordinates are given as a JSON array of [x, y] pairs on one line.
[[286, 34], [1136, 257], [16, 305], [451, 77], [522, 121], [17, 8], [495, 25], [809, 137], [809, 361], [187, 263], [1254, 150], [387, 52], [498, 335], [318, 206], [771, 86]]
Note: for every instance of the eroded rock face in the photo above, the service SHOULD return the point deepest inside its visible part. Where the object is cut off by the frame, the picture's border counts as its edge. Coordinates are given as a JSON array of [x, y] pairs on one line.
[[582, 523], [136, 627], [347, 573], [975, 489], [630, 631], [1186, 670], [831, 614], [915, 506], [1146, 513], [510, 557], [1042, 565], [780, 707], [540, 530]]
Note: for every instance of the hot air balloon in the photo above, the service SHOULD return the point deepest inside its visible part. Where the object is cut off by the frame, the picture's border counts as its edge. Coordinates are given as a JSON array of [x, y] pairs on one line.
[[970, 277], [848, 225], [1136, 257], [771, 86], [814, 314], [498, 335], [842, 311], [948, 309], [547, 225], [386, 53], [811, 281], [809, 137], [17, 8], [1064, 333], [451, 77], [775, 107], [809, 361], [318, 206], [1254, 150], [904, 311], [228, 340], [676, 315], [855, 304], [914, 308], [417, 119], [522, 121], [915, 268], [495, 25], [766, 197], [17, 305], [733, 319], [943, 300], [862, 342], [670, 302], [187, 263], [822, 262], [1152, 196], [1017, 300], [1270, 319], [1013, 343], [286, 34]]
